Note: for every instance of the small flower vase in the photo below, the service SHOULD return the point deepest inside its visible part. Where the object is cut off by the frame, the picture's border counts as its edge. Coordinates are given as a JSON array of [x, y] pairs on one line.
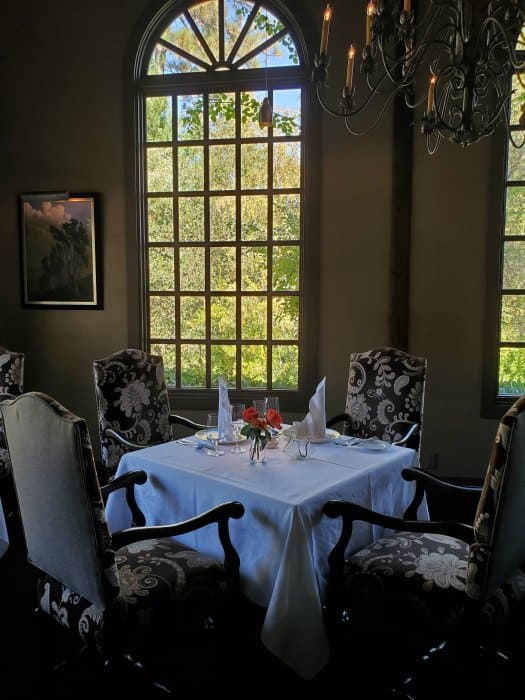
[[257, 451]]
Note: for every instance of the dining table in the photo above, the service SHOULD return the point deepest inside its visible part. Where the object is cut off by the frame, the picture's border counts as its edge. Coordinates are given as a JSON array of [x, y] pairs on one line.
[[283, 539]]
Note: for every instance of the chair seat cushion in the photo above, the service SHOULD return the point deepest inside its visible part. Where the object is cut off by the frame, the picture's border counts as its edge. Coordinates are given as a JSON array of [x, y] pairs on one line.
[[425, 573], [151, 572]]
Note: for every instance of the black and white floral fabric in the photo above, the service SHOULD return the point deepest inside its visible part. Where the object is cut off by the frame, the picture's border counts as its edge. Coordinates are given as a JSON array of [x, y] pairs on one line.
[[136, 578], [435, 575], [132, 399], [11, 385], [385, 393]]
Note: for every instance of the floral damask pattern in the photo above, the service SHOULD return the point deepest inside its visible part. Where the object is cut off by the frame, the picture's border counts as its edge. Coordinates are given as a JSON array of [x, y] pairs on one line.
[[132, 399], [385, 393], [11, 385]]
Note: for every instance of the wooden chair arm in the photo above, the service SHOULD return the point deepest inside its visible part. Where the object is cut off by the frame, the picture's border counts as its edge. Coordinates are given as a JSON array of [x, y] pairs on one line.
[[128, 482], [426, 482], [181, 420], [349, 512], [219, 514]]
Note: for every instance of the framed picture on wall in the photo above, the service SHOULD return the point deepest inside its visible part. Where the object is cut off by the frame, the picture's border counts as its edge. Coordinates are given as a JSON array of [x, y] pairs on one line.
[[61, 256]]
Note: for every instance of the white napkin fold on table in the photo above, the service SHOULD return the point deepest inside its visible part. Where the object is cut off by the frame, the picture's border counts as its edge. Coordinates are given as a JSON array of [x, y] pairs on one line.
[[313, 424], [226, 431]]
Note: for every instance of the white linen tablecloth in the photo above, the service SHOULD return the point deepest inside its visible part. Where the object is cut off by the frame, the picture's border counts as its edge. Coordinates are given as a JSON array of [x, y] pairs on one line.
[[283, 539]]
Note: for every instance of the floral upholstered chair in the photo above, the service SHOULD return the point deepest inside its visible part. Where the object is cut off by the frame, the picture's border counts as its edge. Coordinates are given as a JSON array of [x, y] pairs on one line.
[[115, 592], [132, 404], [11, 384], [385, 395], [441, 579]]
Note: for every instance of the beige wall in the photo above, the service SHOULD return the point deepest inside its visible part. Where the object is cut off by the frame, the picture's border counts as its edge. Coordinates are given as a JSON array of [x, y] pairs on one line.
[[62, 127]]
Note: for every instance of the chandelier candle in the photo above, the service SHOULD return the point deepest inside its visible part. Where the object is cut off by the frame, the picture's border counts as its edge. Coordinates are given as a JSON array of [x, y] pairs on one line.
[[325, 29]]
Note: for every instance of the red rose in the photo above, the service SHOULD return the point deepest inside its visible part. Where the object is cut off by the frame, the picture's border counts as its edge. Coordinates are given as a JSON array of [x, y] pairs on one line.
[[249, 414], [274, 418]]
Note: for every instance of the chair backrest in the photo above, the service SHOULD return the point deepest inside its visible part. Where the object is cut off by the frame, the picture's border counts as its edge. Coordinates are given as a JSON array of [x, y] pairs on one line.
[[11, 372], [59, 497], [132, 398], [386, 389], [499, 524]]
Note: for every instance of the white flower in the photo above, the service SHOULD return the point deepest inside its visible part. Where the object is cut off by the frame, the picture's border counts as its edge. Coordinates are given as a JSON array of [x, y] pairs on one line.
[[444, 570], [133, 396]]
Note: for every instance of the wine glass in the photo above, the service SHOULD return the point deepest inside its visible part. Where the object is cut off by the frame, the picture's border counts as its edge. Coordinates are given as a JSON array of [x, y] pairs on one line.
[[237, 409], [260, 407], [212, 432], [272, 402]]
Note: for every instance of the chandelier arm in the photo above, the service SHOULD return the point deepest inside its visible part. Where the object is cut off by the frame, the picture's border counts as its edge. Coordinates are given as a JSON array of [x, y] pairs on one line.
[[383, 109], [325, 106], [504, 40]]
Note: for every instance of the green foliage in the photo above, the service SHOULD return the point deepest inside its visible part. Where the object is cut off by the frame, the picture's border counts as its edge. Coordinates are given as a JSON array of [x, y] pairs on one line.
[[512, 371]]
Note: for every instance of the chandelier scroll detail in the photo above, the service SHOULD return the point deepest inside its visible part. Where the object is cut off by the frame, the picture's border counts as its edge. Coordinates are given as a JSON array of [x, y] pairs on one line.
[[452, 61]]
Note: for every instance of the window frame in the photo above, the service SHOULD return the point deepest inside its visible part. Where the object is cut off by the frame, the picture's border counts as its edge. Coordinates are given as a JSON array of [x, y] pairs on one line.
[[494, 404], [144, 85]]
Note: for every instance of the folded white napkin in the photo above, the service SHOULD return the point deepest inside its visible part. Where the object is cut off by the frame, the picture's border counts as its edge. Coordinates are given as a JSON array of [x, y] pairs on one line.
[[226, 431], [313, 424]]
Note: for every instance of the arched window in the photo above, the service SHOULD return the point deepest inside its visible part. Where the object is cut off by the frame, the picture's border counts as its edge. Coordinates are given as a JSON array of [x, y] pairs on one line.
[[504, 377], [222, 199]]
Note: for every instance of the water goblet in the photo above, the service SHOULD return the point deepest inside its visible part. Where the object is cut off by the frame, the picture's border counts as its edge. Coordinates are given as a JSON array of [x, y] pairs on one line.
[[212, 432], [272, 402], [260, 407], [237, 409]]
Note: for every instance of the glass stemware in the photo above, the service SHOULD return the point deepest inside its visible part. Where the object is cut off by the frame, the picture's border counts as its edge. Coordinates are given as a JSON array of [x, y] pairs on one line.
[[260, 407], [212, 432], [237, 409], [272, 402]]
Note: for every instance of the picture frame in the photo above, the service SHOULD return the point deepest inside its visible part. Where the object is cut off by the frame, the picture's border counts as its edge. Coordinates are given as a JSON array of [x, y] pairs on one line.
[[60, 250]]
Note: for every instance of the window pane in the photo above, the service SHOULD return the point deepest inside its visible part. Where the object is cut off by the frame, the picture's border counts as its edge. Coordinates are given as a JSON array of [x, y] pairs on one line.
[[253, 366], [158, 119], [286, 267], [254, 269], [286, 216], [222, 167], [512, 371], [254, 217], [513, 318], [191, 218], [191, 269], [514, 265], [189, 117], [161, 269], [516, 163], [223, 318], [163, 61], [222, 115], [193, 363], [180, 34], [169, 356], [192, 318], [515, 212], [285, 367], [162, 317], [516, 99], [191, 168], [250, 105], [287, 165], [223, 363], [160, 219], [206, 18], [222, 218], [222, 269], [285, 318], [160, 169], [286, 112], [253, 318], [235, 12], [254, 163]]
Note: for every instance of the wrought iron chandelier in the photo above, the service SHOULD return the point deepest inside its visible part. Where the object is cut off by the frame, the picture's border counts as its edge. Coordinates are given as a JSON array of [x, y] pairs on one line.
[[453, 60]]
